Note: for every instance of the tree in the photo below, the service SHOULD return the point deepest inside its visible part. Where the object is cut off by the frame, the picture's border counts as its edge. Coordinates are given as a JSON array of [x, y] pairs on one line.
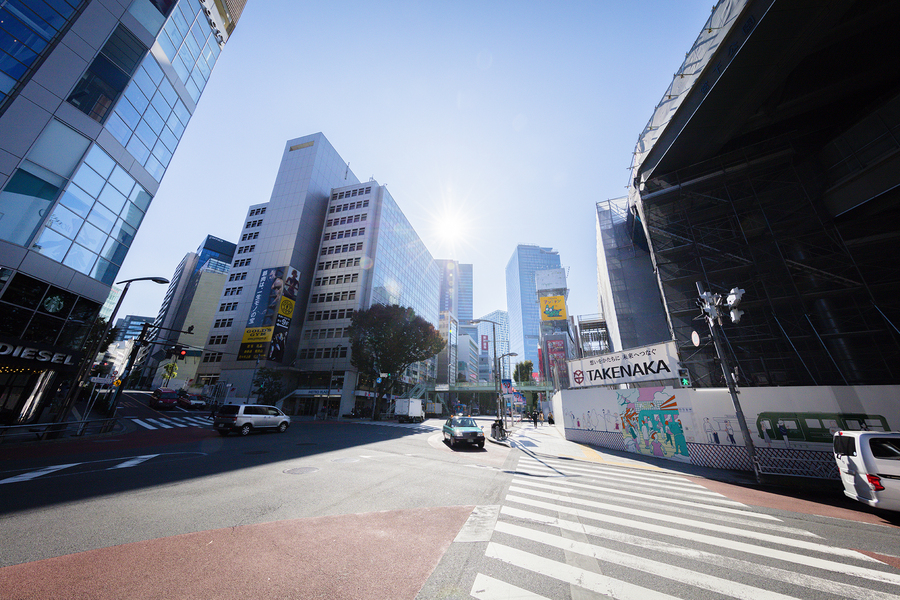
[[170, 370], [523, 371], [268, 385], [388, 339]]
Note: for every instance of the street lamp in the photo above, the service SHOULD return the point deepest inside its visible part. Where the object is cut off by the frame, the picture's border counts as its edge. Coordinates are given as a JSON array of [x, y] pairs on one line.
[[89, 359], [500, 413], [499, 358]]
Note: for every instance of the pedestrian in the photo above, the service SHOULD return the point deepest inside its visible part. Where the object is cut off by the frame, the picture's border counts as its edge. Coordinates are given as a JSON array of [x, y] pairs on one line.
[[534, 418], [212, 410], [550, 419], [541, 418]]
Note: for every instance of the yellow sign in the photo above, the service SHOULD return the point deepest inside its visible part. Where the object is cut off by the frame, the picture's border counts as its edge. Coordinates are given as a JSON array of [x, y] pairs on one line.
[[257, 334], [286, 307], [553, 308], [117, 382]]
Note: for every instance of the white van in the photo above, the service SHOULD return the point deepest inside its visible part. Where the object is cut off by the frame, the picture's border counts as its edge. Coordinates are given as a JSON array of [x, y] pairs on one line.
[[869, 463]]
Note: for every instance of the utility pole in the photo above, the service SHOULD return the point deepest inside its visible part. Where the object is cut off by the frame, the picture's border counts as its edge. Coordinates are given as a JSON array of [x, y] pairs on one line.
[[711, 305]]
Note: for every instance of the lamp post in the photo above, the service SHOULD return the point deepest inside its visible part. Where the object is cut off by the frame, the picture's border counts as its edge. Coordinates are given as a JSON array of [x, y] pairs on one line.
[[89, 359], [499, 358], [500, 413]]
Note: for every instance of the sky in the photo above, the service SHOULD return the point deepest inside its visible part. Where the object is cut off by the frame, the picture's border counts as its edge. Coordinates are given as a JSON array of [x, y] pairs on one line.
[[492, 124]]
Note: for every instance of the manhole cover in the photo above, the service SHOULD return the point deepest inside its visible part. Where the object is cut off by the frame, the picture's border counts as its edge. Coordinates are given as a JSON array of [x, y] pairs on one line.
[[301, 471], [345, 460]]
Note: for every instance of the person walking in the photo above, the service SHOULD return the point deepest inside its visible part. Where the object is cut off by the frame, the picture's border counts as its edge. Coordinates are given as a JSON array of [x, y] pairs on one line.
[[541, 418], [534, 418]]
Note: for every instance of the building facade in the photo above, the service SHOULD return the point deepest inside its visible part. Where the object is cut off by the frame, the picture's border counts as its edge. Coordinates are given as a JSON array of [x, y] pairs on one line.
[[130, 327], [94, 98], [522, 300], [496, 321]]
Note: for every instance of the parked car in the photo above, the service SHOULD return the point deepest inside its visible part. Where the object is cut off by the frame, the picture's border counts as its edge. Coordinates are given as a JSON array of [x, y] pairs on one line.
[[246, 418], [190, 401], [869, 463], [463, 430], [163, 398]]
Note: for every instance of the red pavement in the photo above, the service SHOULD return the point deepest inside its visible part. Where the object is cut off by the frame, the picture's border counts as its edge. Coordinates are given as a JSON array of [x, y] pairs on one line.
[[373, 556]]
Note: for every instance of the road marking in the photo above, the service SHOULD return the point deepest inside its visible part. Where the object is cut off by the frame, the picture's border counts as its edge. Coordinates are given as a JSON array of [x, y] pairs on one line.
[[159, 423], [480, 525], [644, 479], [143, 424], [488, 588], [620, 590], [39, 473], [133, 462], [726, 562]]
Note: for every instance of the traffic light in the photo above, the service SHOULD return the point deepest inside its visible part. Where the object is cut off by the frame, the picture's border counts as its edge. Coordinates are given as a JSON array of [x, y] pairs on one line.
[[180, 351], [684, 378]]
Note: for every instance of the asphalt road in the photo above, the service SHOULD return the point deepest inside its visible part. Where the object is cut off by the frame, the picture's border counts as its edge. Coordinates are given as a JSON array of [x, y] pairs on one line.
[[169, 509]]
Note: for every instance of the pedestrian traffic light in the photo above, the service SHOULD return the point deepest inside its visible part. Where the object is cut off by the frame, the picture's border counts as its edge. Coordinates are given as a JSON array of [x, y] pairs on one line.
[[684, 377]]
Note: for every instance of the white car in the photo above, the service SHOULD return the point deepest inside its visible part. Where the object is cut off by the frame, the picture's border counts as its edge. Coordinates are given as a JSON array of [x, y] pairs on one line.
[[246, 418], [869, 463]]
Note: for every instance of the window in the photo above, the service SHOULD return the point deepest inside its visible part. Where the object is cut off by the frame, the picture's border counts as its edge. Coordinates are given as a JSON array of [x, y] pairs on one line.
[[219, 323], [235, 291], [212, 357], [228, 306], [242, 262], [218, 339]]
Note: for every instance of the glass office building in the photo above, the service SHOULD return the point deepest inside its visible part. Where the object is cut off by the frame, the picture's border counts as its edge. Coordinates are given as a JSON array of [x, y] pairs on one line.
[[522, 300], [94, 98]]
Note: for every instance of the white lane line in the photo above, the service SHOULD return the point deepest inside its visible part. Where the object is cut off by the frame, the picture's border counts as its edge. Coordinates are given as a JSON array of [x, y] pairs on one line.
[[595, 582], [176, 422], [643, 496], [701, 538], [133, 461], [635, 513], [703, 581], [480, 524], [636, 472], [160, 423], [35, 474], [488, 588], [142, 424], [837, 588]]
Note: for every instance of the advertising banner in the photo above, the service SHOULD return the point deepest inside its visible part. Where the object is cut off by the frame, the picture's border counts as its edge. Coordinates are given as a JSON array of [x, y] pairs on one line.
[[648, 363], [553, 308], [556, 354], [484, 343], [270, 315]]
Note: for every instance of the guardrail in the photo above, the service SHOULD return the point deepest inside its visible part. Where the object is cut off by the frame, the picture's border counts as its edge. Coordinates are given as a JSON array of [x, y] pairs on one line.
[[49, 431]]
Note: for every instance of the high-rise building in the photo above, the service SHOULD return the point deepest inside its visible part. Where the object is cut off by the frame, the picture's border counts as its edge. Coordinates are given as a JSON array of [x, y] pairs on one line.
[[94, 98], [497, 321], [323, 247], [522, 300], [455, 304], [466, 301], [129, 327]]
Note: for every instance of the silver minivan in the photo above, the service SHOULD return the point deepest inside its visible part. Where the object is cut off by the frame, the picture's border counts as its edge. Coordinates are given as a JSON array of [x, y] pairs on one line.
[[869, 463], [246, 418]]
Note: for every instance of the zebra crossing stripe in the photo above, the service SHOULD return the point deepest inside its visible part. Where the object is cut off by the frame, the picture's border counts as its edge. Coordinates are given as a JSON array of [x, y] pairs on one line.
[[703, 581], [488, 588], [843, 590], [672, 519], [664, 499], [645, 480], [133, 462], [39, 473], [160, 423], [143, 424], [620, 590], [735, 545]]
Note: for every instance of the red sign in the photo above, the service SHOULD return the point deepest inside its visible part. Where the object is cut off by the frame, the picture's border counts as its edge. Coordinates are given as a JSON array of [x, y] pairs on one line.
[[578, 376], [484, 343]]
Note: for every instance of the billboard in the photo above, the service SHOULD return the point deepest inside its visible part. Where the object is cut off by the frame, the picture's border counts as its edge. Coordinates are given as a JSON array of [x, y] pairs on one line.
[[550, 279], [271, 310], [484, 343], [556, 355], [648, 363], [553, 308]]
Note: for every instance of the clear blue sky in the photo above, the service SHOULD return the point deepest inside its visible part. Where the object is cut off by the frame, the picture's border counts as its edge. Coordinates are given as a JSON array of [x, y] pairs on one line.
[[491, 123]]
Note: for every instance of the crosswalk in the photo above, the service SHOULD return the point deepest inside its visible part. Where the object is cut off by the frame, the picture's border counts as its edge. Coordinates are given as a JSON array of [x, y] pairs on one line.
[[172, 422], [576, 529], [422, 427]]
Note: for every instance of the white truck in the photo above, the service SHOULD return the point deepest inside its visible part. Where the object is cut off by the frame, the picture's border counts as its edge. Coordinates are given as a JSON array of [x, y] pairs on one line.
[[409, 410]]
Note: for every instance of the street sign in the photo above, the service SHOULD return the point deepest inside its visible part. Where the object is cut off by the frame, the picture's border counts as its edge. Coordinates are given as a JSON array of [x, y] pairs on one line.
[[378, 380], [102, 380]]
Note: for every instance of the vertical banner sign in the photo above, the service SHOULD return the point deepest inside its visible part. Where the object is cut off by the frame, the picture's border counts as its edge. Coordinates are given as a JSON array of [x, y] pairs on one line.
[[484, 343], [556, 354], [271, 310]]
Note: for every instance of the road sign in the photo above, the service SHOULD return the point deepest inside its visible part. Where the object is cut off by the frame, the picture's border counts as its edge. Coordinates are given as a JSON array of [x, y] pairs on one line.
[[102, 380]]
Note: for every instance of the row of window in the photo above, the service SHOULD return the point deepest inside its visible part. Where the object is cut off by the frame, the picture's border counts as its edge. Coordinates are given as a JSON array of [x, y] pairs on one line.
[[246, 249], [339, 235], [211, 357], [336, 279], [238, 276], [339, 264], [242, 262], [325, 315], [251, 224], [222, 323], [335, 297], [351, 193], [339, 249], [218, 339], [249, 236], [350, 206], [323, 334], [234, 291], [257, 211], [228, 306], [310, 353], [346, 220]]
